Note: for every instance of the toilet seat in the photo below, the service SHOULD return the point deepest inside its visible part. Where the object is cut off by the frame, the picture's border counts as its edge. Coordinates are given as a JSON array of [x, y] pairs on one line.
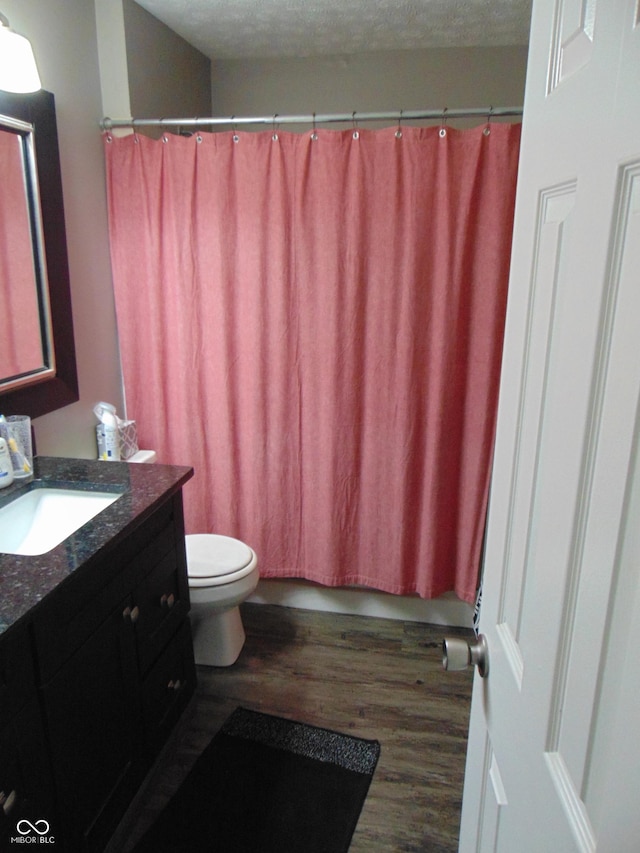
[[213, 559]]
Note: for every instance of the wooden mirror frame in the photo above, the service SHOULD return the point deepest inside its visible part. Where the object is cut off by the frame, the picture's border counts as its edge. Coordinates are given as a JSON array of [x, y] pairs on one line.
[[38, 399]]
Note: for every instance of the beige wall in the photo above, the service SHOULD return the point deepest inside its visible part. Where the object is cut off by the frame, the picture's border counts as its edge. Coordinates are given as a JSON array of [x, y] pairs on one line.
[[407, 80], [64, 40], [167, 76]]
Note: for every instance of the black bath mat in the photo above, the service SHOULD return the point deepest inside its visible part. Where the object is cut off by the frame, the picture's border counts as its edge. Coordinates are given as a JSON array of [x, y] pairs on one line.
[[268, 785]]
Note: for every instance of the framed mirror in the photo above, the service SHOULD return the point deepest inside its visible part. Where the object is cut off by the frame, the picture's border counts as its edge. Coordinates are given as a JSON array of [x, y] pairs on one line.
[[37, 351]]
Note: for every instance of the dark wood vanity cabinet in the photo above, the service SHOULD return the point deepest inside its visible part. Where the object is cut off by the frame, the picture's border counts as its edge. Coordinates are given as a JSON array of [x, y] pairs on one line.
[[115, 671]]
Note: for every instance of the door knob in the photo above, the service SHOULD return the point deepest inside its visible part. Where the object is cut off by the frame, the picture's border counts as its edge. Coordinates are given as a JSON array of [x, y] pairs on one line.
[[459, 654]]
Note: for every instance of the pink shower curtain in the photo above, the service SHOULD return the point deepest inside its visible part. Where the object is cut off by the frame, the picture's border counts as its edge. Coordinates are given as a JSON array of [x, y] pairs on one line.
[[316, 326]]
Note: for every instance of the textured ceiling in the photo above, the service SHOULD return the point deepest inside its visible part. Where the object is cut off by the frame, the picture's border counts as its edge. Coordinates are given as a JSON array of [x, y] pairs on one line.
[[234, 29]]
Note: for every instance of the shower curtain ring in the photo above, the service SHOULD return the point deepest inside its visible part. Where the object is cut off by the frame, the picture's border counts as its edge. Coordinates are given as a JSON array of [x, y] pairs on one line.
[[356, 132], [275, 128], [235, 136], [399, 130], [487, 129], [443, 129], [314, 134]]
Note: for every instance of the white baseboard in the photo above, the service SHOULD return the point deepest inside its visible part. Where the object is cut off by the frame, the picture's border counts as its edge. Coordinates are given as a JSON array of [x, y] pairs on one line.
[[448, 610]]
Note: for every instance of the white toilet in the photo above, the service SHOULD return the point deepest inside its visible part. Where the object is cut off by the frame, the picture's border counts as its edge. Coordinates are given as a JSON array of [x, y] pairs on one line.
[[222, 573]]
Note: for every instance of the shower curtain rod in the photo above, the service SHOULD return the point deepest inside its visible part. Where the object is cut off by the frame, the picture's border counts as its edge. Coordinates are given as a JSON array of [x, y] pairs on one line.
[[313, 118]]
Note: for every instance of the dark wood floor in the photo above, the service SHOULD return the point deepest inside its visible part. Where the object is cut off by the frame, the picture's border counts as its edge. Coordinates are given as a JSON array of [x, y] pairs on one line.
[[374, 678]]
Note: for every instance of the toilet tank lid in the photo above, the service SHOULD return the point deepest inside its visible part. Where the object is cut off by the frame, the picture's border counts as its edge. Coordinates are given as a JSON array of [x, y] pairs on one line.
[[143, 456], [211, 555]]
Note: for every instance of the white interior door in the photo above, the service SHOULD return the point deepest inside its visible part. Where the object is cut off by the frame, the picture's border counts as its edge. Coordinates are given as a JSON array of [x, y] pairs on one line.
[[553, 762]]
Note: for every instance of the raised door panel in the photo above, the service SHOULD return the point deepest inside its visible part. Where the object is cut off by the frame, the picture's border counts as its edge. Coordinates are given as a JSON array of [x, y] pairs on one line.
[[167, 688], [92, 715], [572, 40], [162, 606], [17, 672]]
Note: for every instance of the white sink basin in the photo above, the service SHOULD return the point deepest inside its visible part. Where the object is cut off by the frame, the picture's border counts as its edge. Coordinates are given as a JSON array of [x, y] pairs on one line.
[[39, 520]]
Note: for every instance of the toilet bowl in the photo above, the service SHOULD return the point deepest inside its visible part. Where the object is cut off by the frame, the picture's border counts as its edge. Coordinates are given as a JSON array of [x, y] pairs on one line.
[[222, 572]]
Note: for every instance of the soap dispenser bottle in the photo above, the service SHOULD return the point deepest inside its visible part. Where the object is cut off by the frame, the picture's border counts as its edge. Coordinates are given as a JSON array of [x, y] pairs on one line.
[[6, 467]]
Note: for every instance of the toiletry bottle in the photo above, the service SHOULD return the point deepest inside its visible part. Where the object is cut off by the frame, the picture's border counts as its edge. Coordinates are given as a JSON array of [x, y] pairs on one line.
[[6, 468], [107, 432]]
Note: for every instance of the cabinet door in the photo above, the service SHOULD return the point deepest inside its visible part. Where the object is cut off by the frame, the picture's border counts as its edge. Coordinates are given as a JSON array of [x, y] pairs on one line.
[[92, 713], [163, 601], [26, 799], [167, 688]]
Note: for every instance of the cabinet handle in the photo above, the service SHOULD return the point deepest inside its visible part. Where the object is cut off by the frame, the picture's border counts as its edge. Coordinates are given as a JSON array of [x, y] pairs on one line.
[[131, 614], [168, 601], [7, 803], [174, 685]]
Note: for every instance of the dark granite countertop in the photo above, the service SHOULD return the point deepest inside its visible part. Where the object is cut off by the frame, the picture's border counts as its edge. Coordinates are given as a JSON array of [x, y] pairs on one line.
[[26, 580]]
